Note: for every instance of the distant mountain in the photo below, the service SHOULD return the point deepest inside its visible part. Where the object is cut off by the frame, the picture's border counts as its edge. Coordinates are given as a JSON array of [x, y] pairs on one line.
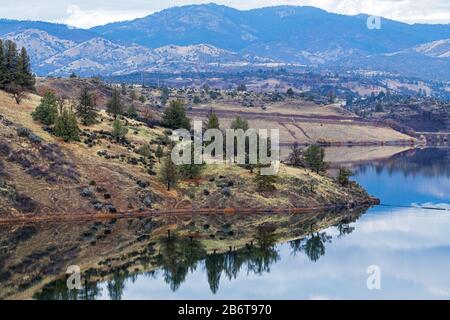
[[197, 37], [54, 56], [437, 49], [57, 30], [40, 44], [286, 32]]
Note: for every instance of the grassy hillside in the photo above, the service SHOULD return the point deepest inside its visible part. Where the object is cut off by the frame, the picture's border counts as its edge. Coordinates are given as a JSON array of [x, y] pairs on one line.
[[41, 174]]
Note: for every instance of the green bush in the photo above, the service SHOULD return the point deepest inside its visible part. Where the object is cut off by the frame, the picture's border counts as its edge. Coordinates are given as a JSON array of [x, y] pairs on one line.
[[47, 111], [119, 131], [66, 126]]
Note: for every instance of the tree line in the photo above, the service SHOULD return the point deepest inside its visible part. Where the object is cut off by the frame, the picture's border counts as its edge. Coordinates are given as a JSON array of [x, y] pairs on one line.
[[16, 76]]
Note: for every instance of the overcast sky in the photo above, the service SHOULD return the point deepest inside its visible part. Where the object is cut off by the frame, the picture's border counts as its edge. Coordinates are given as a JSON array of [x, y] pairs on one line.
[[88, 13]]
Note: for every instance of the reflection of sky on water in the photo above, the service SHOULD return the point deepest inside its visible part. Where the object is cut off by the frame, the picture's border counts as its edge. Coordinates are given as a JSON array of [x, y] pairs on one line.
[[410, 245]]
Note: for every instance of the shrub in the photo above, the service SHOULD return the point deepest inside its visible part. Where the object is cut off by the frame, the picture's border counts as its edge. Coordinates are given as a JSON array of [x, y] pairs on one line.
[[66, 126], [175, 116], [119, 131], [47, 111]]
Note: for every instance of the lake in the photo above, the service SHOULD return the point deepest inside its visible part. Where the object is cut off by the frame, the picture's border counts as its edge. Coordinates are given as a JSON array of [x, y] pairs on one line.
[[406, 240]]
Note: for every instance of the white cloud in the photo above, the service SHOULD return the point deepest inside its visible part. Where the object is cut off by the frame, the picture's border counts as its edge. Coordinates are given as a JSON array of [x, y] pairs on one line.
[[87, 13], [90, 18]]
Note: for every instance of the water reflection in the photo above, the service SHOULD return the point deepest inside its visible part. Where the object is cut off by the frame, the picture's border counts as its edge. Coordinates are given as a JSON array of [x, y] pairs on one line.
[[176, 258], [242, 256]]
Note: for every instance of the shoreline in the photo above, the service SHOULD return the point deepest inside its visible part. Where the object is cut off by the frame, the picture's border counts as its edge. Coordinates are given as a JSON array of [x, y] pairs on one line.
[[371, 201]]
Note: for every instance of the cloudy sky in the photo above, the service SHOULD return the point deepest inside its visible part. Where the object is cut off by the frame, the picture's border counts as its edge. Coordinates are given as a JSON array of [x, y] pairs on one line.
[[88, 13]]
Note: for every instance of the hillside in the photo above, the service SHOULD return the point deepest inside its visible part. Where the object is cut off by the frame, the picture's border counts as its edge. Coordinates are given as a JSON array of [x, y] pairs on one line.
[[40, 174]]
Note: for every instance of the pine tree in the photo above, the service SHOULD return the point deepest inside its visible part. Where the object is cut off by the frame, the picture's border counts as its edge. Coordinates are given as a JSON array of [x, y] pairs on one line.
[[132, 112], [239, 123], [119, 131], [174, 116], [164, 95], [10, 61], [24, 76], [3, 70], [114, 105], [213, 121], [47, 111], [314, 158], [15, 69], [159, 152], [86, 108], [66, 126], [168, 173], [344, 175]]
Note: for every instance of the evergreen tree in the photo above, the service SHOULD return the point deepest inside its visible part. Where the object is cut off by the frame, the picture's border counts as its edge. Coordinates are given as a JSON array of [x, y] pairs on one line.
[[197, 100], [86, 108], [164, 95], [174, 116], [168, 173], [142, 98], [10, 61], [66, 126], [114, 105], [344, 175], [47, 111], [3, 70], [24, 76], [15, 68], [314, 158], [213, 121], [132, 112], [239, 123], [119, 131], [159, 152]]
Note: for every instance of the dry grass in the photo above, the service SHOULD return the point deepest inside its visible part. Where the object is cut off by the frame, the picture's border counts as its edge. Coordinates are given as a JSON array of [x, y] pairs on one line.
[[119, 178]]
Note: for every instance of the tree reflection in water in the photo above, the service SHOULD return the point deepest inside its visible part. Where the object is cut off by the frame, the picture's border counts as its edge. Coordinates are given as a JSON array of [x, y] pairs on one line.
[[177, 257], [313, 246]]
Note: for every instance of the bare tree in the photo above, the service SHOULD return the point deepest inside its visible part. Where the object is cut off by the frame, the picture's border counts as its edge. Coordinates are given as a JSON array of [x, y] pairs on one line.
[[17, 92], [295, 158]]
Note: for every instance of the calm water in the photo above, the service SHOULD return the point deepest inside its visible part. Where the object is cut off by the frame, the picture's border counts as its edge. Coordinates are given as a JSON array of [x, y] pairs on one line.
[[410, 245]]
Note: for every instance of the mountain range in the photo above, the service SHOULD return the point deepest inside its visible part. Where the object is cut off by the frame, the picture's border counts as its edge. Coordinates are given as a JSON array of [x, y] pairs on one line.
[[199, 37]]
